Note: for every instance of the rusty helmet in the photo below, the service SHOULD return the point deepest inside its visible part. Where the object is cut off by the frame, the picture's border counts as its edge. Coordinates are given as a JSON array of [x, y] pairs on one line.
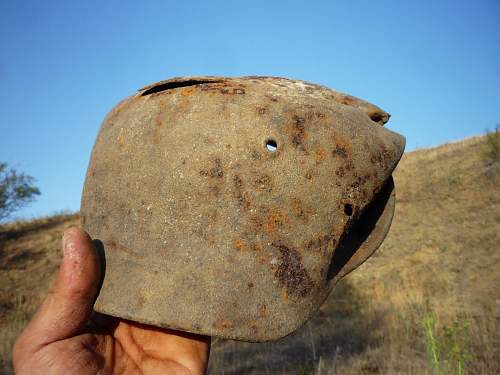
[[231, 206]]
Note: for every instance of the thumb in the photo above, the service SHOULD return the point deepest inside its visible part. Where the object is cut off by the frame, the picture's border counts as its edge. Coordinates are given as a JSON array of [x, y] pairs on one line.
[[68, 305]]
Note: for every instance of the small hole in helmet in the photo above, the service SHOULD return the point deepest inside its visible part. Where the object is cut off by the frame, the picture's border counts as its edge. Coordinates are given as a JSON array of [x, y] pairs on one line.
[[358, 232], [271, 145], [348, 209]]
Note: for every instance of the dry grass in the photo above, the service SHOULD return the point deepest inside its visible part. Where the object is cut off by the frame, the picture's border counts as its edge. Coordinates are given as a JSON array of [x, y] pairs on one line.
[[441, 259], [29, 255]]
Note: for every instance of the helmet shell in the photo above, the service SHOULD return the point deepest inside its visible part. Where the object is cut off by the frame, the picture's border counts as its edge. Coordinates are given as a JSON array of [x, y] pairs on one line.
[[231, 206]]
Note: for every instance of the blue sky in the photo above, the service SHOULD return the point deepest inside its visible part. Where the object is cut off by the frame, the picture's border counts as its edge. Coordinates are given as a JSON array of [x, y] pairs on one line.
[[434, 65]]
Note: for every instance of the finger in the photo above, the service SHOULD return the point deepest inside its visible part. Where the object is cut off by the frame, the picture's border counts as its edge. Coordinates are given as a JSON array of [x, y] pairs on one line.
[[69, 302]]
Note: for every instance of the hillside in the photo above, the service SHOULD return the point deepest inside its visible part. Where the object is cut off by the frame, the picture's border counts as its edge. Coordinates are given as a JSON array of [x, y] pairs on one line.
[[439, 268]]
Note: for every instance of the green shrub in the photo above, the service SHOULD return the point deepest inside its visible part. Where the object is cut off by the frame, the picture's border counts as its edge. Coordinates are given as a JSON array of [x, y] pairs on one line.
[[16, 190], [446, 346]]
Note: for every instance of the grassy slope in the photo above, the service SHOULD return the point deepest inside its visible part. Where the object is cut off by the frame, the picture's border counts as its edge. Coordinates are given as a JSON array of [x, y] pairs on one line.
[[441, 259], [29, 255]]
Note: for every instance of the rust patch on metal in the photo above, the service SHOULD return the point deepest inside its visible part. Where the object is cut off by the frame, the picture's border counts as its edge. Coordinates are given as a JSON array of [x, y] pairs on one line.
[[239, 244], [261, 110], [241, 196], [339, 151], [114, 246], [158, 121], [272, 98], [187, 91], [298, 132], [300, 211], [263, 182], [340, 172], [275, 219], [349, 100], [209, 140], [297, 207], [360, 181], [342, 147], [261, 259], [291, 274], [215, 190], [322, 243], [320, 155], [216, 171], [223, 88], [382, 157], [223, 324], [255, 155]]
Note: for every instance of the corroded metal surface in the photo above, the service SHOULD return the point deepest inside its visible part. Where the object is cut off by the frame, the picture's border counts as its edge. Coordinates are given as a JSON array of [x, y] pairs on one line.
[[231, 206]]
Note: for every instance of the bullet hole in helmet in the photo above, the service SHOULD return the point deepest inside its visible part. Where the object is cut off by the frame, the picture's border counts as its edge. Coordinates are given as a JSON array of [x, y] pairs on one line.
[[175, 84], [377, 117], [271, 145], [348, 209], [357, 233]]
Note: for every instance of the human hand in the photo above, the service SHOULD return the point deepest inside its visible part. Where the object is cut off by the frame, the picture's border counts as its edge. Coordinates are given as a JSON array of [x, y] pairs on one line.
[[66, 337]]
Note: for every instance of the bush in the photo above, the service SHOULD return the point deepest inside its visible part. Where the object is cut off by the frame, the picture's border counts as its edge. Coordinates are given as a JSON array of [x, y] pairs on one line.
[[16, 190]]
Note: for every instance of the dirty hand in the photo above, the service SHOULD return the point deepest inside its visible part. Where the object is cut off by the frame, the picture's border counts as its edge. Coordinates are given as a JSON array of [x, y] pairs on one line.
[[66, 337]]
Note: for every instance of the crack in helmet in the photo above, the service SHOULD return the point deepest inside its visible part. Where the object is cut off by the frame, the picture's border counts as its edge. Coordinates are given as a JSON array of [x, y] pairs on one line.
[[231, 206]]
